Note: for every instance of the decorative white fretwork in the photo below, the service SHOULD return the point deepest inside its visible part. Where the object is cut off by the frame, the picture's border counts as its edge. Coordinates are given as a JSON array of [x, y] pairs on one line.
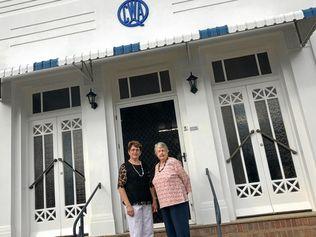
[[48, 214], [249, 190], [230, 99], [68, 125], [264, 93], [72, 211], [285, 185], [43, 129]]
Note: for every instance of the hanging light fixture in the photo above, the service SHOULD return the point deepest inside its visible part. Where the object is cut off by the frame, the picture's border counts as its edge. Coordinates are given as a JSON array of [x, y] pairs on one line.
[[91, 97], [192, 80]]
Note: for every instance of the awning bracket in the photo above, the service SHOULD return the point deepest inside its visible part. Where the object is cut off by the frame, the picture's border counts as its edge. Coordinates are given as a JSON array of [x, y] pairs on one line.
[[304, 29], [86, 69]]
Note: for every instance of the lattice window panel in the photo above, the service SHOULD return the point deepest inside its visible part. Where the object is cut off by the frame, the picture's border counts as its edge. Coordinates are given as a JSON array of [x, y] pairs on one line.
[[72, 211], [249, 190], [43, 129], [285, 186], [230, 99], [43, 215], [68, 125], [264, 93]]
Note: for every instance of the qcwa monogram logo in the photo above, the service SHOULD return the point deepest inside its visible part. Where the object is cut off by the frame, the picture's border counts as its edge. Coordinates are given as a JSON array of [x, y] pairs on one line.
[[133, 13]]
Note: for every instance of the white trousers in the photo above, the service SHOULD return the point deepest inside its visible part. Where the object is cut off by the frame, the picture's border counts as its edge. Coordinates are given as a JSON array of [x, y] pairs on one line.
[[141, 224]]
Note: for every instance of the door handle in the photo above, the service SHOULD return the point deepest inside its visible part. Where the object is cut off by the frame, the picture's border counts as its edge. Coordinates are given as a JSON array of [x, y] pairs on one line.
[[240, 146], [184, 156], [276, 141]]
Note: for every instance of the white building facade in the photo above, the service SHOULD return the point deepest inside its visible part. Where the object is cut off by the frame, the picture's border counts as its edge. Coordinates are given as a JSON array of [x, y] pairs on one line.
[[250, 122]]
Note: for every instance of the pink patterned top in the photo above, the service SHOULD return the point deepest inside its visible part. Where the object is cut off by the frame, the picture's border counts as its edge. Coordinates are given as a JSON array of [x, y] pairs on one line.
[[172, 183]]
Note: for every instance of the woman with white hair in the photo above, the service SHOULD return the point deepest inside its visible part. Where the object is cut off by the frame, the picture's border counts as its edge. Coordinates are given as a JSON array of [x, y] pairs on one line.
[[172, 185]]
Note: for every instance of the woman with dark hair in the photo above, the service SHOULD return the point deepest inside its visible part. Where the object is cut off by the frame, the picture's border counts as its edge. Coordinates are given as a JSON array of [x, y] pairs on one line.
[[137, 193]]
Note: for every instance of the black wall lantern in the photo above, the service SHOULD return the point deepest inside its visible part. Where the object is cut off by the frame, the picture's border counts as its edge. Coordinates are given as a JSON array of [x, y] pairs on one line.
[[192, 80], [91, 97]]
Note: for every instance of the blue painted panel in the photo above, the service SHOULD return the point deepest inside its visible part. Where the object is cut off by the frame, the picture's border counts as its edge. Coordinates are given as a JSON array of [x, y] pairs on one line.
[[308, 13], [124, 49], [136, 47], [213, 32], [54, 62], [37, 66], [45, 64], [127, 48], [118, 50]]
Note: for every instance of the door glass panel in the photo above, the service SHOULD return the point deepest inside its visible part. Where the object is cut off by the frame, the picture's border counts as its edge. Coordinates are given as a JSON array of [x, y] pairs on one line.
[[43, 156], [218, 71], [75, 96], [78, 155], [281, 167], [123, 86], [74, 185], [56, 99], [149, 124], [38, 169], [165, 81], [144, 84], [241, 67], [68, 174], [269, 146], [247, 149], [234, 117], [49, 178], [236, 129], [37, 103], [264, 63], [280, 133], [232, 142]]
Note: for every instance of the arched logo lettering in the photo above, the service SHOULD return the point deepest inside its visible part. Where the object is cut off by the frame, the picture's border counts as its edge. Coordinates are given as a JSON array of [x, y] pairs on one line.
[[133, 13]]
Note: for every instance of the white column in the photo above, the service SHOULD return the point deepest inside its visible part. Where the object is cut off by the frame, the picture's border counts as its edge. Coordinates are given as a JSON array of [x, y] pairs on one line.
[[299, 70], [199, 141], [5, 167], [97, 164]]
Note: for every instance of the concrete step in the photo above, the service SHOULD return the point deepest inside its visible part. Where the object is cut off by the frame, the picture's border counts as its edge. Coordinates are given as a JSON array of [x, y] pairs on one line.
[[286, 225]]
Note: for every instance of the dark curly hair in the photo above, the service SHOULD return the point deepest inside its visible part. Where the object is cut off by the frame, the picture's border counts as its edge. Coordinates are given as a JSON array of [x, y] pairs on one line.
[[135, 144]]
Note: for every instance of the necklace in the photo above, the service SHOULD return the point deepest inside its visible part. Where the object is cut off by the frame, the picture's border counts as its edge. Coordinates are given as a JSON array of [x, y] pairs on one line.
[[141, 166], [159, 170]]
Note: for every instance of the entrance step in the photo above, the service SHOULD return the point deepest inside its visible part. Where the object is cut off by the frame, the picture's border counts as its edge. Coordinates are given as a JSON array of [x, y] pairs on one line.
[[285, 225]]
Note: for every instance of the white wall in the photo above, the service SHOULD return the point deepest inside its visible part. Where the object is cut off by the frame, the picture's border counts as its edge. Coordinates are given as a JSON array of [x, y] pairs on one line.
[[5, 167], [44, 29], [97, 164], [299, 71]]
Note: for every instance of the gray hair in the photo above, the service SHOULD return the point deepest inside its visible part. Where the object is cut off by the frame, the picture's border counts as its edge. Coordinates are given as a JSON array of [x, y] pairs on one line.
[[162, 145]]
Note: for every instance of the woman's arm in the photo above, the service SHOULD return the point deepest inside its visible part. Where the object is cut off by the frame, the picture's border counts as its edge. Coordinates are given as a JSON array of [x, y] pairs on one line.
[[154, 197], [122, 179], [124, 198], [183, 176]]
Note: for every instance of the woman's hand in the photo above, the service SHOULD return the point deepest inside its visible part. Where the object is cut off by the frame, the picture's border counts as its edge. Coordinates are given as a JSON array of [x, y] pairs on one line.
[[130, 210], [154, 205]]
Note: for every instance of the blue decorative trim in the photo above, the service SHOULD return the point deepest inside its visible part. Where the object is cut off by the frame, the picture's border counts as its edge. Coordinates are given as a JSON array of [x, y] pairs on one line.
[[308, 13], [45, 64], [213, 32], [124, 49]]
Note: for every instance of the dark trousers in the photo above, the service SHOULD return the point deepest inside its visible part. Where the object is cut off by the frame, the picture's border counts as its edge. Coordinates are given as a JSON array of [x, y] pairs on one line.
[[176, 219]]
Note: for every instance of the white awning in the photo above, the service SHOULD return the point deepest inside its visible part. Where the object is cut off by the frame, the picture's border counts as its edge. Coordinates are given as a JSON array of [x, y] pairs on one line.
[[304, 20]]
